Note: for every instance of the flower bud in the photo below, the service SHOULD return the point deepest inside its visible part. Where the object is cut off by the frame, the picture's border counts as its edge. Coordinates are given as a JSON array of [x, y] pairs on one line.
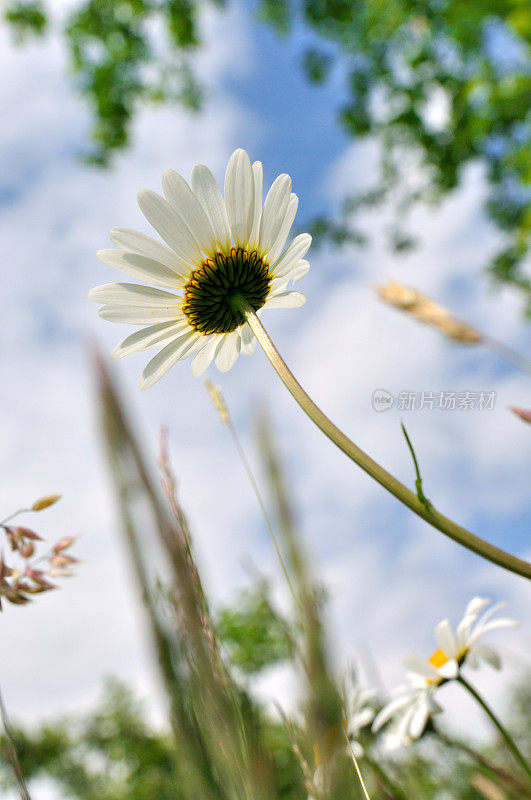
[[44, 502], [26, 533], [64, 543], [26, 549], [62, 560]]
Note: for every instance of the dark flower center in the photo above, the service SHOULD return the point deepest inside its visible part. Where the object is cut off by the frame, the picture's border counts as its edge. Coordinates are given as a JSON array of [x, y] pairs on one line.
[[212, 289]]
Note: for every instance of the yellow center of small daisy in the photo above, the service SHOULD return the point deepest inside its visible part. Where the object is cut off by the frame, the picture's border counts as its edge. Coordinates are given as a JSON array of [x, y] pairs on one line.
[[212, 289], [438, 658]]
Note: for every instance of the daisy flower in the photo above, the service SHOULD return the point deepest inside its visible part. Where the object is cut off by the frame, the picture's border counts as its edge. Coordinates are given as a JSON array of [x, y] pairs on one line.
[[410, 710], [358, 712], [415, 702], [463, 646], [218, 250]]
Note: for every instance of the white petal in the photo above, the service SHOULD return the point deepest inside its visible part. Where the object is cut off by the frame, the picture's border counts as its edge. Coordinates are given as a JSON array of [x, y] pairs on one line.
[[186, 204], [274, 211], [168, 223], [389, 711], [299, 271], [135, 242], [258, 175], [227, 351], [421, 667], [239, 196], [362, 718], [278, 245], [445, 638], [291, 256], [419, 719], [248, 341], [285, 300], [476, 605], [168, 356], [488, 654], [142, 268], [503, 622], [204, 358], [123, 294], [149, 337], [138, 315], [209, 194], [449, 670]]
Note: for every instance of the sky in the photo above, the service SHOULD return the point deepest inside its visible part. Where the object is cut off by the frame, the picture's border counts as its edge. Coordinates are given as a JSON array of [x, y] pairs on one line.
[[390, 576]]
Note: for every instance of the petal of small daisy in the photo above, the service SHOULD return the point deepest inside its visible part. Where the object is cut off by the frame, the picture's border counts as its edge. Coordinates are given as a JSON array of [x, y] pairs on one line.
[[136, 242], [149, 337], [186, 204], [418, 719], [133, 294], [449, 670], [169, 225], [258, 175], [363, 718], [421, 667], [389, 711], [285, 300], [476, 605], [291, 256], [488, 654], [142, 268], [274, 211], [239, 196], [278, 245], [503, 622], [227, 351], [204, 358], [168, 356], [138, 315], [445, 638], [209, 195]]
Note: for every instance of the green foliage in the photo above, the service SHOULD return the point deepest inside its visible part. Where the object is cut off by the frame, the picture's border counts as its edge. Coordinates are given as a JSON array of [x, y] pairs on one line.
[[444, 81], [25, 18], [108, 754], [255, 635]]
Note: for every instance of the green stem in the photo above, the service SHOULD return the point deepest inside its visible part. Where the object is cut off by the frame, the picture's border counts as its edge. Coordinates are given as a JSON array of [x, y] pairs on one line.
[[357, 768], [13, 755], [509, 741], [401, 492]]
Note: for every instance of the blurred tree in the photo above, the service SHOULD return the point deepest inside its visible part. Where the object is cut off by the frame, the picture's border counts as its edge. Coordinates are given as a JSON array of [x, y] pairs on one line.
[[255, 635], [439, 83], [115, 753]]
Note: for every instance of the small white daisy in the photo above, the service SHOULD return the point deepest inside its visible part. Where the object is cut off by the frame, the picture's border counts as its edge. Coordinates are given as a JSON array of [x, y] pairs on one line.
[[217, 249], [415, 702], [413, 705], [456, 649], [358, 712]]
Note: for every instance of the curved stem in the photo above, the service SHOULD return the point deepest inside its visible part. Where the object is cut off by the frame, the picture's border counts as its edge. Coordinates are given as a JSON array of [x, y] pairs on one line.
[[388, 481], [509, 741]]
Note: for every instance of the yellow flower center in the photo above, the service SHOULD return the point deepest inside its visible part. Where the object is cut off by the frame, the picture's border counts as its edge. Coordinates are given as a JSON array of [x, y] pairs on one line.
[[438, 658]]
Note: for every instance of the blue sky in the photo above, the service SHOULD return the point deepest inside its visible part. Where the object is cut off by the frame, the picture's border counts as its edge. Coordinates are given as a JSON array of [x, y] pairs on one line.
[[391, 577]]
